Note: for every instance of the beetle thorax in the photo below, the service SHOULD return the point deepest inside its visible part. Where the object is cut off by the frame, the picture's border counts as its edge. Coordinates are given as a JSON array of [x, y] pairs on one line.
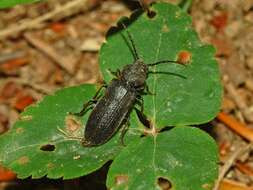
[[135, 74]]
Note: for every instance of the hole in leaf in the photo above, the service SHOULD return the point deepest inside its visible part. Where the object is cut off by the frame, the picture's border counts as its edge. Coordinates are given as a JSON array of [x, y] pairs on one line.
[[23, 160], [151, 14], [121, 179], [164, 184], [47, 147]]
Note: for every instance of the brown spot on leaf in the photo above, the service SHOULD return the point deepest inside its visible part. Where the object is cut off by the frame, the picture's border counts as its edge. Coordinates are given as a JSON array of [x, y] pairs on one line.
[[20, 130], [23, 160], [121, 179], [164, 183], [165, 28], [26, 118], [50, 165], [207, 186], [184, 57], [72, 124]]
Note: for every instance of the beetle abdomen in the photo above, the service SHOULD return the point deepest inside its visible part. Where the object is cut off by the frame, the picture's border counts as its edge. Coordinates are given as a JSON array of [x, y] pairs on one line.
[[109, 113]]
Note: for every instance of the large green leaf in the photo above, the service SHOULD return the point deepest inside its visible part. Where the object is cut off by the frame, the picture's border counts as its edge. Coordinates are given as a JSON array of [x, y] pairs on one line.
[[10, 3], [177, 101], [35, 146], [184, 156], [20, 148]]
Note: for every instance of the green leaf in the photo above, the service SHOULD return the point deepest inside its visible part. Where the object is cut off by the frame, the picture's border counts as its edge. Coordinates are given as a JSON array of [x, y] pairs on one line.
[[178, 101], [20, 148], [186, 157], [11, 3], [35, 146]]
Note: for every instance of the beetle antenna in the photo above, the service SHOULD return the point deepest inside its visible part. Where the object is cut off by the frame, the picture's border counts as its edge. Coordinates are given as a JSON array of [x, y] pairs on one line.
[[136, 56], [165, 61]]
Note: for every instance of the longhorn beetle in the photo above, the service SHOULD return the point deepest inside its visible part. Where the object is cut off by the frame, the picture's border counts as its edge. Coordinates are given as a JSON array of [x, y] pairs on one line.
[[112, 110]]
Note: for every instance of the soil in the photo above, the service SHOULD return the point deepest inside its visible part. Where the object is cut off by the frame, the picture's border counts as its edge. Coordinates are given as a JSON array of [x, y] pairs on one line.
[[44, 55]]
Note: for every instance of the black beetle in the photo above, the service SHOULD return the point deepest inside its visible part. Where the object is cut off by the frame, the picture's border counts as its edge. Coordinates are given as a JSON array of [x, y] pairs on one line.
[[112, 110]]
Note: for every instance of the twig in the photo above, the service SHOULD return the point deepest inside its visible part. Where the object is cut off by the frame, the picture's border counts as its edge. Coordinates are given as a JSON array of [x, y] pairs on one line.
[[233, 185], [239, 102], [29, 24], [66, 62], [4, 57], [44, 89], [229, 163], [236, 126], [245, 168]]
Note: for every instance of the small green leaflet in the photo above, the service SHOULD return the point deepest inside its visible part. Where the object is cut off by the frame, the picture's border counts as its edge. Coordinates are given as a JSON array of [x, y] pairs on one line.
[[189, 100], [186, 157], [40, 125]]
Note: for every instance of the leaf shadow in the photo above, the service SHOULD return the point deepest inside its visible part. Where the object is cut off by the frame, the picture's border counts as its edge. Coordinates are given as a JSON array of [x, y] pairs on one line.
[[127, 21]]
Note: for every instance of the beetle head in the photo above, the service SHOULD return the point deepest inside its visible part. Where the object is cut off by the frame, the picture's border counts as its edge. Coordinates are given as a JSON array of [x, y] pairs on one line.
[[135, 74]]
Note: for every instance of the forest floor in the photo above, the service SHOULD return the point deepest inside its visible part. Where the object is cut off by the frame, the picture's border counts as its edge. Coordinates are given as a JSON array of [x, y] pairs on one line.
[[57, 43]]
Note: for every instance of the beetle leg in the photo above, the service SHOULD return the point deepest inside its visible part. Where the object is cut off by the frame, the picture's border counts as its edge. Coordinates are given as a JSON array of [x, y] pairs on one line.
[[147, 91], [90, 104], [142, 117], [70, 137], [96, 96], [140, 113], [116, 73], [86, 107], [123, 132], [140, 102]]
